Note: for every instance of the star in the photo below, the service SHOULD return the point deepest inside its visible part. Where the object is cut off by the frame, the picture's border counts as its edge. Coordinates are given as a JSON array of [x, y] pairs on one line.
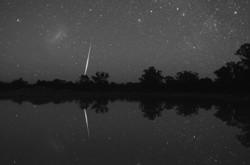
[[139, 20], [18, 20]]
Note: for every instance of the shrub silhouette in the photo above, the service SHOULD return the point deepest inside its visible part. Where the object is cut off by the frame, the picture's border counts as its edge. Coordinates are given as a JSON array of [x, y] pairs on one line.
[[84, 79], [187, 76], [244, 52], [100, 78], [151, 77], [228, 72], [19, 83]]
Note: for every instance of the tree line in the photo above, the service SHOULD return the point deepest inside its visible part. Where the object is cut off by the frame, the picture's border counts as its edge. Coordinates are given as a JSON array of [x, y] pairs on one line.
[[232, 77]]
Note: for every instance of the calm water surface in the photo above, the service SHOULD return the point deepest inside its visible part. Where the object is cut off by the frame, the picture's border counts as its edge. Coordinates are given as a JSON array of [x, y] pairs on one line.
[[123, 132]]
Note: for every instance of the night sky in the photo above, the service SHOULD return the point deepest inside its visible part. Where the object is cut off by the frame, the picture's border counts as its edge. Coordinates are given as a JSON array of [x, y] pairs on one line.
[[48, 39]]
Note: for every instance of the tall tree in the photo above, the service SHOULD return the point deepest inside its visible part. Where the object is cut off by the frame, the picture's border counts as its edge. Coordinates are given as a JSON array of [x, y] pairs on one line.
[[151, 76], [227, 73], [244, 52], [236, 71]]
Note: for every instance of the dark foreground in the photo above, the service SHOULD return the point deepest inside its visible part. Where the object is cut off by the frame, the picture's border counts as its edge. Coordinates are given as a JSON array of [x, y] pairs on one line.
[[61, 127]]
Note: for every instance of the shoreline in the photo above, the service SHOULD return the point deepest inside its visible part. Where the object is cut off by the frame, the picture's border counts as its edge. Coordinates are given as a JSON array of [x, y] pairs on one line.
[[26, 94]]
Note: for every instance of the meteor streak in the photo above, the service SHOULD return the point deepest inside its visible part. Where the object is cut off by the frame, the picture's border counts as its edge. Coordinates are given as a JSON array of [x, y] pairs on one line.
[[87, 62]]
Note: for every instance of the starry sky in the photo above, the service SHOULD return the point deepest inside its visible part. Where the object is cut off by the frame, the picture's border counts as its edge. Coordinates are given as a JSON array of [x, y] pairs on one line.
[[45, 39]]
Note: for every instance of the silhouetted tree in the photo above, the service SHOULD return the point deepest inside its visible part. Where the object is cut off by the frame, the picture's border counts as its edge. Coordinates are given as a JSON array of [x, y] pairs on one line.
[[84, 83], [228, 72], [19, 83], [244, 53], [100, 78], [58, 81], [187, 76], [170, 83], [151, 77], [186, 81], [4, 85], [206, 80], [84, 79], [169, 79], [59, 84]]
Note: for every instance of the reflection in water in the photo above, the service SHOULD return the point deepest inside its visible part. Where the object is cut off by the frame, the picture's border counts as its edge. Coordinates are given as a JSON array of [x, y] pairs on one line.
[[84, 106], [151, 108], [100, 106], [233, 114], [187, 109], [236, 115], [183, 132], [86, 120]]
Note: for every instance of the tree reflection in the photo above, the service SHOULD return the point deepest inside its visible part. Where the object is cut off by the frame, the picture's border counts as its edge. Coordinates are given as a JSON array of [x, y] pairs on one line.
[[151, 108], [187, 109], [84, 103], [237, 115], [233, 114], [100, 106]]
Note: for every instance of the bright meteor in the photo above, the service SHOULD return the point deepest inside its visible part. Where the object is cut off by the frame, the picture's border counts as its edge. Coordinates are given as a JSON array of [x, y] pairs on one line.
[[87, 62]]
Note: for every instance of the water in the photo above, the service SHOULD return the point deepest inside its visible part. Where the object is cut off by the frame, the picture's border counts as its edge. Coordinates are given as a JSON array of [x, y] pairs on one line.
[[123, 132]]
